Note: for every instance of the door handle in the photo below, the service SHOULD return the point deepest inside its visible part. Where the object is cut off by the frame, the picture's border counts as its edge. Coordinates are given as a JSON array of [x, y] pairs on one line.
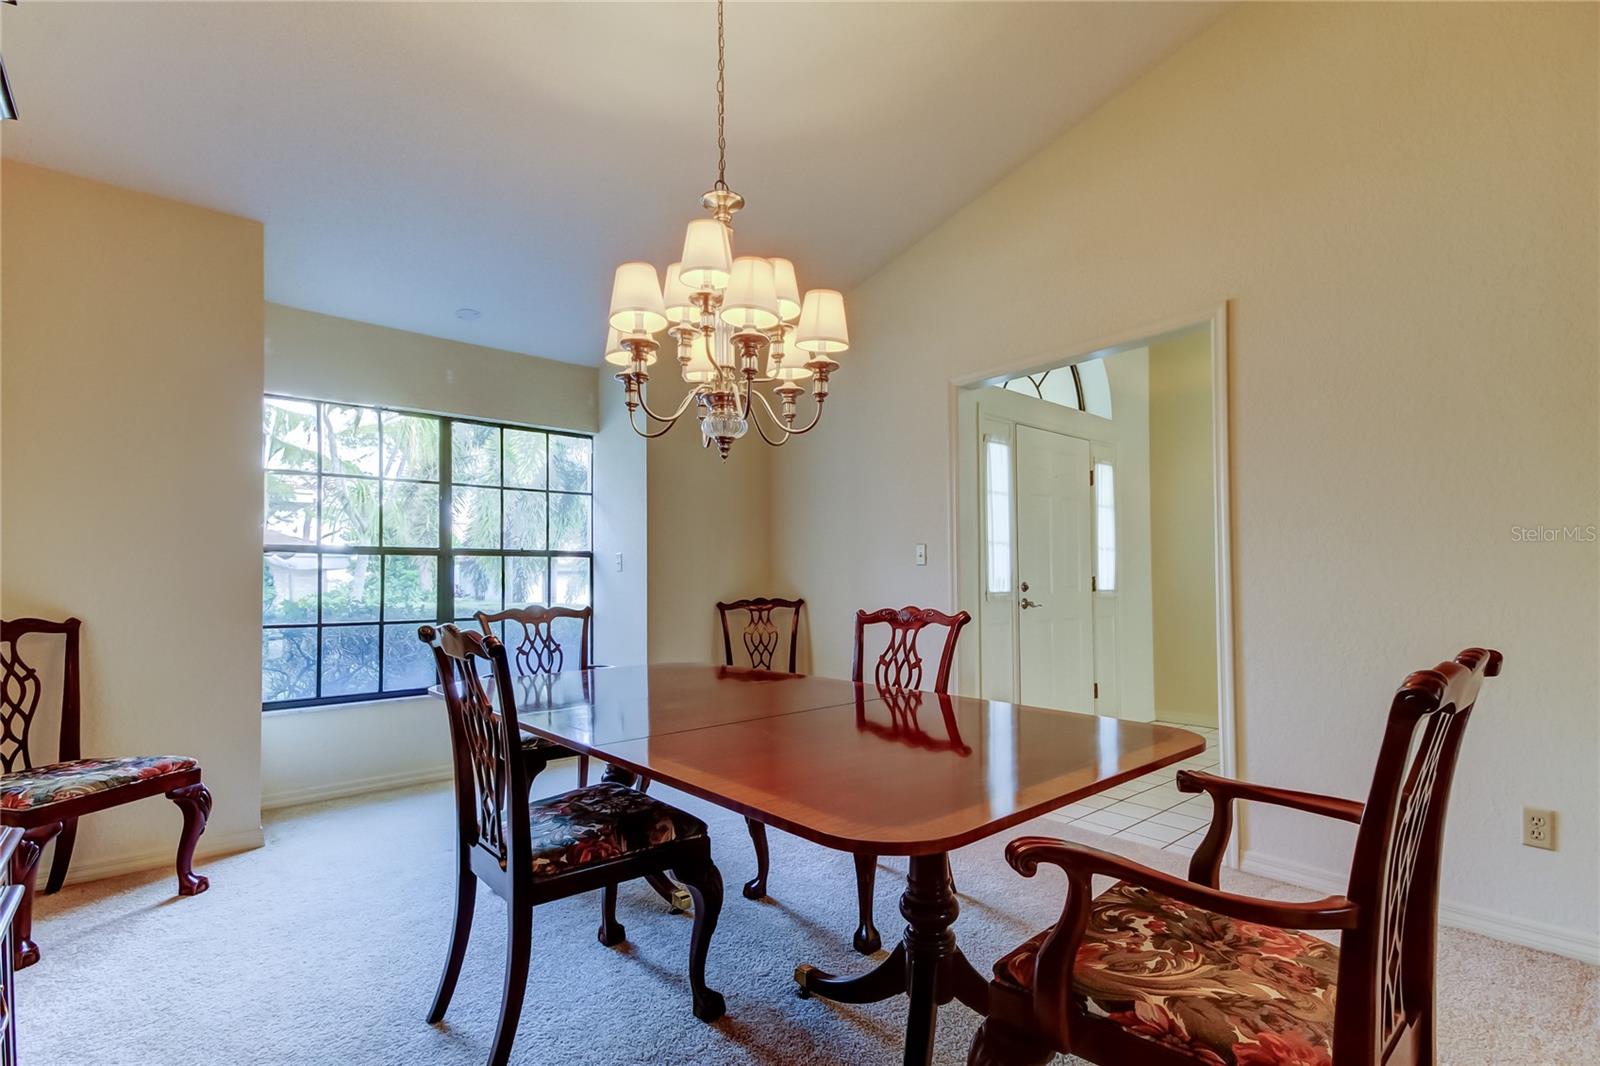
[[1026, 603]]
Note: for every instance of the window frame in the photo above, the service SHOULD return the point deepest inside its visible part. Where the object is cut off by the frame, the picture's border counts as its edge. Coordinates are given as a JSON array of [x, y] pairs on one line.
[[1103, 508], [1037, 379], [445, 553], [990, 512]]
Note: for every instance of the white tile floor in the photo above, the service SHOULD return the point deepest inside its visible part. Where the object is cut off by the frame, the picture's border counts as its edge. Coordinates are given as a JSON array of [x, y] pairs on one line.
[[1150, 810]]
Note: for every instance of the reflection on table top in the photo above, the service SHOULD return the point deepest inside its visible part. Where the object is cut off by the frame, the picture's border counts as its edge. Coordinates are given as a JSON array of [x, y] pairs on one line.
[[849, 766]]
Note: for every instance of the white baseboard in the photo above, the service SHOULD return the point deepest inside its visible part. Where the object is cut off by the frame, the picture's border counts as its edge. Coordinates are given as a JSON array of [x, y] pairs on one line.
[[211, 846], [1559, 940], [293, 797]]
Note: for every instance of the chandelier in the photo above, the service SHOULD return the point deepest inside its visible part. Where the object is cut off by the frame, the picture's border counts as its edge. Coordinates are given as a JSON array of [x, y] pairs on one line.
[[738, 323]]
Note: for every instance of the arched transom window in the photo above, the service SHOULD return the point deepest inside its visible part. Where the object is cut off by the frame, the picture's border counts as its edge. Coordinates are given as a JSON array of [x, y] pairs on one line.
[[1081, 386]]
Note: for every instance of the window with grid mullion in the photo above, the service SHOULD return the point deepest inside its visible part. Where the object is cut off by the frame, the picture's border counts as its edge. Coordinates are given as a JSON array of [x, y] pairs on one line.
[[380, 520]]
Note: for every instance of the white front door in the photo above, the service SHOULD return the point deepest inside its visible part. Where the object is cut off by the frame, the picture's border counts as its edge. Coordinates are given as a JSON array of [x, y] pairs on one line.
[[1054, 596]]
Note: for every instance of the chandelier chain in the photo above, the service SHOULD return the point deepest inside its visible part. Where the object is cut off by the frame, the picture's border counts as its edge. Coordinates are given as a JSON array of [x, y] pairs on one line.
[[722, 136]]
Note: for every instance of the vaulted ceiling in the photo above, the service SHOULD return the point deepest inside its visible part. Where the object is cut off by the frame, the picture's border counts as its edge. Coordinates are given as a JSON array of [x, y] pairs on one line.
[[411, 159]]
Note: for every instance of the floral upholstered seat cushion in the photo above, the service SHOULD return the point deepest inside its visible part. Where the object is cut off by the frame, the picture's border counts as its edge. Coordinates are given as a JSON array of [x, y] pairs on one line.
[[62, 781], [601, 823], [1226, 992]]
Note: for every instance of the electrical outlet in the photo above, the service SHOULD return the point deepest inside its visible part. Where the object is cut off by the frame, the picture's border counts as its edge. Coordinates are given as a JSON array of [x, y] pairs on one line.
[[619, 562], [922, 555], [1539, 828]]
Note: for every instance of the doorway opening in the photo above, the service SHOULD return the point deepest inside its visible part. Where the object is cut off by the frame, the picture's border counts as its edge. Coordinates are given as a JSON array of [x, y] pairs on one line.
[[1092, 532]]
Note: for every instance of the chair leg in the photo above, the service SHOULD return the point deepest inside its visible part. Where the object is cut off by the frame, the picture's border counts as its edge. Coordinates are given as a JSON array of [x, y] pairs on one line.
[[460, 932], [195, 803], [866, 939], [63, 856], [519, 948], [583, 771], [756, 887], [704, 883], [998, 1044], [25, 872], [611, 931]]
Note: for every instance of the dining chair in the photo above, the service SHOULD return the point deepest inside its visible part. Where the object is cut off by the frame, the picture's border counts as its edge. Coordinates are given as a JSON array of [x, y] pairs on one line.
[[531, 853], [897, 672], [539, 651], [1166, 972], [46, 801], [762, 634]]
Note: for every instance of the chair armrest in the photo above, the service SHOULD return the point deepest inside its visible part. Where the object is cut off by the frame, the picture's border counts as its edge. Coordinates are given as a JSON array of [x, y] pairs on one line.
[[1311, 802], [1206, 864], [1053, 966], [1332, 912]]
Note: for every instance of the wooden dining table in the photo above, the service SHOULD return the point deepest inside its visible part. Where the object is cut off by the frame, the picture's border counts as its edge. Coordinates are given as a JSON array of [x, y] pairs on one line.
[[857, 769]]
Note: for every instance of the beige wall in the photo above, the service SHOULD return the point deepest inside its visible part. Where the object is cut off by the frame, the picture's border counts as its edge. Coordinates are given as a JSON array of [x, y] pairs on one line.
[[1182, 537], [326, 358], [1398, 202], [131, 428], [622, 517], [710, 529], [321, 752]]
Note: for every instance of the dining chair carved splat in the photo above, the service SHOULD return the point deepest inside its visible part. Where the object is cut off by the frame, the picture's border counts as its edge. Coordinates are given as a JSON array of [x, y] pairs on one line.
[[536, 649], [763, 634]]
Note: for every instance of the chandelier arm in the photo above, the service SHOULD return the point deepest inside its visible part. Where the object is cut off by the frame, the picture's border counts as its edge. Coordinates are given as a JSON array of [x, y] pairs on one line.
[[650, 434], [693, 395], [786, 434], [788, 431], [816, 416]]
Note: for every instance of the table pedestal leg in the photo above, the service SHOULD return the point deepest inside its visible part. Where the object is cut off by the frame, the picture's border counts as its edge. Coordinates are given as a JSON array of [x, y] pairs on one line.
[[884, 981], [926, 965]]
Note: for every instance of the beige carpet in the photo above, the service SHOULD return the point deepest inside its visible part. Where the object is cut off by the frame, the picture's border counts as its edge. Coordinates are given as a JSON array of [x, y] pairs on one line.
[[324, 947]]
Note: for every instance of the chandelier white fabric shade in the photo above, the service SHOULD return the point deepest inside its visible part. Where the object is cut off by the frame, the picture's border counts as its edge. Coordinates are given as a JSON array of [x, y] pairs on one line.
[[677, 296], [748, 345], [751, 302], [617, 355], [707, 256], [788, 289], [822, 326], [636, 305]]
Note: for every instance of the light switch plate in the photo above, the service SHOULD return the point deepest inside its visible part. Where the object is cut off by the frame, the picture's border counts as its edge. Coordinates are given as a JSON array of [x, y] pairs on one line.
[[922, 555]]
